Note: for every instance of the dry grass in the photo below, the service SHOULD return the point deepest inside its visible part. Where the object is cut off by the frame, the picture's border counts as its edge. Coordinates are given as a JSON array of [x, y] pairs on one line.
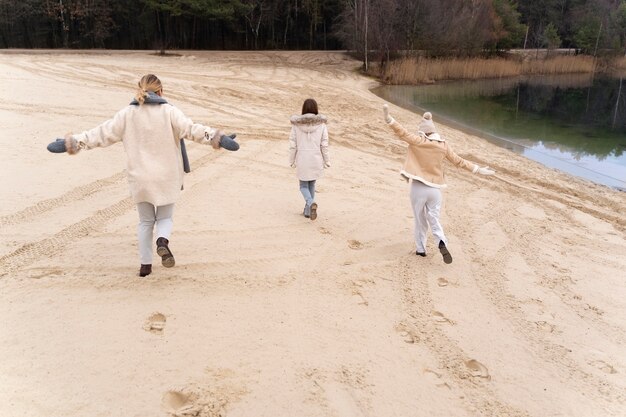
[[427, 71], [559, 65]]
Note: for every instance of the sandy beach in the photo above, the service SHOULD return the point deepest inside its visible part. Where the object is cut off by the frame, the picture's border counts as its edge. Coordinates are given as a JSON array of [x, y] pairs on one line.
[[266, 313]]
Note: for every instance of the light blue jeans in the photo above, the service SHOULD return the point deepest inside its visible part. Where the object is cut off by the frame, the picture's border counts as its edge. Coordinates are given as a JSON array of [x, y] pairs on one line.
[[149, 216], [307, 188]]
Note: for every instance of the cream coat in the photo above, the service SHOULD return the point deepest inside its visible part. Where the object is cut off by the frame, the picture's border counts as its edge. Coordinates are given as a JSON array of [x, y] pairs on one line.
[[424, 160], [308, 146], [151, 136]]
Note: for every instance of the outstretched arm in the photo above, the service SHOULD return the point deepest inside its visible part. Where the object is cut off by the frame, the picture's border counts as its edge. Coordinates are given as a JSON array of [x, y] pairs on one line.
[[463, 163], [399, 130], [185, 128], [106, 134]]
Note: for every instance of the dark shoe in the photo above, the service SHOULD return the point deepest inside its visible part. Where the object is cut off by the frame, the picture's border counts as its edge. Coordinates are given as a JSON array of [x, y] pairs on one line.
[[423, 254], [167, 258], [145, 270], [447, 258], [307, 211], [313, 211]]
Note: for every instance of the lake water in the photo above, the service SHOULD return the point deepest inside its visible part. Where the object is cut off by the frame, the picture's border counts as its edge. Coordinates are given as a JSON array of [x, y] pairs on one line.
[[576, 124]]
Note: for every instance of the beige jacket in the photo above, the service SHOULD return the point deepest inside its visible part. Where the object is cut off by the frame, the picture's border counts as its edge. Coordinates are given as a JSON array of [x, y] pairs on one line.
[[308, 146], [150, 134], [424, 160]]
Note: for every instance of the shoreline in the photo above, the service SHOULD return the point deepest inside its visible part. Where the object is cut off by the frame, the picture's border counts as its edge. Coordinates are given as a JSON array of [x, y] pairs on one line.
[[338, 315], [550, 161]]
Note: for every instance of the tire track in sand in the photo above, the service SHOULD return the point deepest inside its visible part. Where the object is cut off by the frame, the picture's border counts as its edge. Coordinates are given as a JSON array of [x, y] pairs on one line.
[[33, 251], [453, 361], [492, 287], [71, 196], [525, 242], [492, 267]]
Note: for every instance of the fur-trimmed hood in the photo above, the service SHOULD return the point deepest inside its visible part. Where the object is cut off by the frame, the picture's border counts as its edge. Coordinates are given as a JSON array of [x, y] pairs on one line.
[[308, 119], [308, 122]]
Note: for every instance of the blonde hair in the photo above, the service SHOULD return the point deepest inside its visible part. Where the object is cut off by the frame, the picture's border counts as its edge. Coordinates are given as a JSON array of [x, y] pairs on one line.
[[148, 83]]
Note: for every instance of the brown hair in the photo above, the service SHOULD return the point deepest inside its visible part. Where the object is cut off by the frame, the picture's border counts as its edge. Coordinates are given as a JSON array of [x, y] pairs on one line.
[[148, 83], [309, 106]]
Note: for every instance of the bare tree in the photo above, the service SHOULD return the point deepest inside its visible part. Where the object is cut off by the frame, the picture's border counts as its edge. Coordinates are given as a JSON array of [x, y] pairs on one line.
[[384, 26], [58, 12], [255, 15]]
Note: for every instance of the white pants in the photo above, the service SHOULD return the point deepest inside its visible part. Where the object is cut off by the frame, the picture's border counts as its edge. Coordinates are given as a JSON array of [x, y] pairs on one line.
[[426, 202], [148, 216]]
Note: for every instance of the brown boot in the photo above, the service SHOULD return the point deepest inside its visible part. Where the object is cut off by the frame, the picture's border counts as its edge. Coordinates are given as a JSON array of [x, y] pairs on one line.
[[313, 214], [145, 270], [163, 250], [447, 258]]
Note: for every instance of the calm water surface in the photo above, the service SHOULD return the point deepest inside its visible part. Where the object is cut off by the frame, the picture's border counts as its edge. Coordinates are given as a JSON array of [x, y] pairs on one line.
[[576, 124]]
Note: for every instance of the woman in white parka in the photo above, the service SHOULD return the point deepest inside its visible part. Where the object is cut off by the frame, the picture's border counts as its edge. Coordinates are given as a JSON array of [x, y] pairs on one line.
[[308, 152]]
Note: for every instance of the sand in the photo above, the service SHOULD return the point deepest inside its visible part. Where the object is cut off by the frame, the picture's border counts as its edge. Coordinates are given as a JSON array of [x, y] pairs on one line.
[[267, 313]]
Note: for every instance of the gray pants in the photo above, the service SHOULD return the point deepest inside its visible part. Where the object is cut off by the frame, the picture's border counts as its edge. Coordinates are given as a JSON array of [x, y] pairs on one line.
[[148, 216], [426, 203]]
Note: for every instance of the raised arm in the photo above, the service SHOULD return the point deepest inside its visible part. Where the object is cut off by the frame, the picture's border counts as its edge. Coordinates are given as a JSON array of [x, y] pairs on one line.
[[400, 131]]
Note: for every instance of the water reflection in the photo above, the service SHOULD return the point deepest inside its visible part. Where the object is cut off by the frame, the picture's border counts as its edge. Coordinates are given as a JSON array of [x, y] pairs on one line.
[[559, 121]]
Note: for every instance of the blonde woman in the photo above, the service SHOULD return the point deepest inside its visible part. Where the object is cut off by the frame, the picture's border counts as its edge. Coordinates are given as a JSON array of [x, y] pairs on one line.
[[150, 130], [308, 152], [423, 167]]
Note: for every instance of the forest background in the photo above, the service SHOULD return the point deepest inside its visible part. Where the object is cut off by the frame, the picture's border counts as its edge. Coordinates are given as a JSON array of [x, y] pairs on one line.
[[435, 27]]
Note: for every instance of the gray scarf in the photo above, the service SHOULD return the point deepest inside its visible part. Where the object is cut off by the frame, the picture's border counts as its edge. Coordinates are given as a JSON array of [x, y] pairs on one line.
[[152, 98]]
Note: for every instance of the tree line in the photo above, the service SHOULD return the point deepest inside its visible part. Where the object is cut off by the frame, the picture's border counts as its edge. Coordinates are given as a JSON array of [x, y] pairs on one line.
[[437, 27]]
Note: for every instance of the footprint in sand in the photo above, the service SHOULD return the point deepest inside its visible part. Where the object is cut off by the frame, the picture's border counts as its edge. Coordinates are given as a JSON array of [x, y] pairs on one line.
[[155, 323], [38, 274], [477, 369], [436, 378], [355, 244], [445, 282], [408, 337], [359, 297], [177, 403], [439, 317], [545, 326], [324, 231], [603, 366]]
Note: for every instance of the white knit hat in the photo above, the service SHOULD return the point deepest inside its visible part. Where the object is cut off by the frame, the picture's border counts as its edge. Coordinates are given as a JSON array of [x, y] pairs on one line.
[[426, 125]]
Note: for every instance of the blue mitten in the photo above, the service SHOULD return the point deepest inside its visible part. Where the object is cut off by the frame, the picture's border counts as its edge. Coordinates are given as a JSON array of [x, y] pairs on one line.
[[58, 146], [228, 142]]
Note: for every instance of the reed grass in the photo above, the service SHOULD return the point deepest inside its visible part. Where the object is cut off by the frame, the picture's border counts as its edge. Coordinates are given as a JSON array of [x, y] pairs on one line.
[[427, 71], [559, 65]]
